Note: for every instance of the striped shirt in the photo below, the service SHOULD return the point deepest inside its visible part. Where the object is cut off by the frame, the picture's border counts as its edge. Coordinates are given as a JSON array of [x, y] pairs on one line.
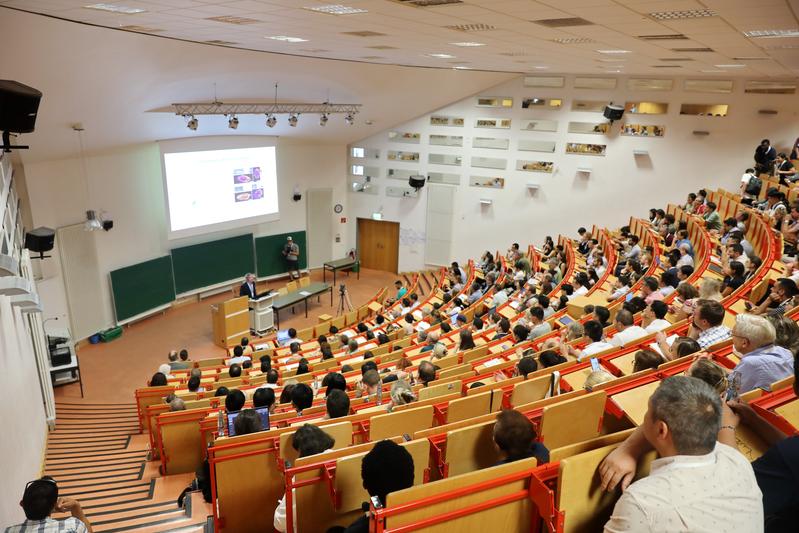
[[48, 525]]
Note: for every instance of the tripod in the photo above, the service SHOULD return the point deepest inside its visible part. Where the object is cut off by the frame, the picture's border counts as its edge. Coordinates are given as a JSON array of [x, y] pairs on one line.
[[343, 300]]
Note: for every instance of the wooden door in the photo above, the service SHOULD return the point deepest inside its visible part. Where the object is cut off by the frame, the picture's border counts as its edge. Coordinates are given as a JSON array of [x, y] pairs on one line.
[[378, 244]]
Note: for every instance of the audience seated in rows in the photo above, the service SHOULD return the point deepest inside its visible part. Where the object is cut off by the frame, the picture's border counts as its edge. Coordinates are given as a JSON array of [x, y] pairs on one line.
[[682, 424]]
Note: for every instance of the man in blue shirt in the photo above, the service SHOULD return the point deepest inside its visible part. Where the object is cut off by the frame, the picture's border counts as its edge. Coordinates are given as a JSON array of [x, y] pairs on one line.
[[762, 363]]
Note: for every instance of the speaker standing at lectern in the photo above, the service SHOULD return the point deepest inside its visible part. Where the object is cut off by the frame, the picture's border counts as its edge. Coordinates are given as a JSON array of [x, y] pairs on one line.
[[248, 287]]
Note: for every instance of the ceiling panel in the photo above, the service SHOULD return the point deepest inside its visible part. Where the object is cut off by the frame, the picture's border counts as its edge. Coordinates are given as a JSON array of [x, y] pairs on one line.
[[416, 31]]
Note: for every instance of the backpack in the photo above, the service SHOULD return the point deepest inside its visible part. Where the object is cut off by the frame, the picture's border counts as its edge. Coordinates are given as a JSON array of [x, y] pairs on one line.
[[754, 185]]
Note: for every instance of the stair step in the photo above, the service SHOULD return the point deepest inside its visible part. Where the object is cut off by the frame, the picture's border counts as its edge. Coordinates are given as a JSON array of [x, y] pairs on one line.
[[140, 518], [174, 525], [109, 490], [132, 507], [86, 483]]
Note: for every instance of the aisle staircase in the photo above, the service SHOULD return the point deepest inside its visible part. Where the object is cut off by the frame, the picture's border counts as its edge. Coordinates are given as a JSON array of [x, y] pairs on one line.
[[97, 456]]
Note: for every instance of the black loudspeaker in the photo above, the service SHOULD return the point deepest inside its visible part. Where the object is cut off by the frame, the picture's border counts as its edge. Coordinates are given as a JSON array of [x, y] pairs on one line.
[[417, 182], [40, 240], [18, 106], [613, 112]]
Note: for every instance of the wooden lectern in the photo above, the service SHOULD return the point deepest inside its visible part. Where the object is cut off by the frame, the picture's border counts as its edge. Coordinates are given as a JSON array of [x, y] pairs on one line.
[[231, 322]]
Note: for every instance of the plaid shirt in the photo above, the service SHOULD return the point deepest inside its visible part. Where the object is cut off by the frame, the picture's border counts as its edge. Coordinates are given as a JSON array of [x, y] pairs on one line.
[[48, 525], [713, 335]]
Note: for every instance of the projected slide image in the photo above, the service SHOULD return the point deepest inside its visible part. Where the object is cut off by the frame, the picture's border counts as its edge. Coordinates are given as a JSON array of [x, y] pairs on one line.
[[219, 186]]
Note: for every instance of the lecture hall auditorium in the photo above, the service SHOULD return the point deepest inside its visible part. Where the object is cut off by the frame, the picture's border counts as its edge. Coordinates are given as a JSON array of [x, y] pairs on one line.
[[399, 265]]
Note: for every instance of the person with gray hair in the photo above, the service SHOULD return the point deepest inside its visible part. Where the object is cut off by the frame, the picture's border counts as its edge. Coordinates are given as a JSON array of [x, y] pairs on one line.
[[574, 331], [761, 361], [697, 483], [177, 404], [432, 339], [174, 364]]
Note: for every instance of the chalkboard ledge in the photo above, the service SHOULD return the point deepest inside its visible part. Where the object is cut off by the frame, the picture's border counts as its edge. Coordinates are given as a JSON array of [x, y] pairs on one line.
[[145, 314]]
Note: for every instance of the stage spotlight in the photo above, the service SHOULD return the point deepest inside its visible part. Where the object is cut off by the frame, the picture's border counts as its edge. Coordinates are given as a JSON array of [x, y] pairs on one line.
[[293, 120], [192, 123], [233, 122], [349, 119], [271, 120], [323, 119]]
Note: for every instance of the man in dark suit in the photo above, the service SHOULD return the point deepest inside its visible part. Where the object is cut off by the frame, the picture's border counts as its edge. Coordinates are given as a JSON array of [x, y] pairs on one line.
[[248, 287], [765, 154]]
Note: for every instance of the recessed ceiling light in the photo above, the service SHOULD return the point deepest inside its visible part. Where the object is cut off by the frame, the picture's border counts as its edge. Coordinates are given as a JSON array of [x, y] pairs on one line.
[[613, 51], [287, 39], [686, 14], [116, 8], [731, 65], [468, 44], [441, 56], [337, 9], [234, 20], [540, 67], [781, 47], [461, 67], [771, 34], [611, 60], [573, 40]]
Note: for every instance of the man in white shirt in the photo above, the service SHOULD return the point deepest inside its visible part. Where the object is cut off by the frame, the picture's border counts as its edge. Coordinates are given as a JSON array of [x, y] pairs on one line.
[[654, 317], [685, 256], [500, 297], [697, 484], [627, 330], [593, 332], [735, 252]]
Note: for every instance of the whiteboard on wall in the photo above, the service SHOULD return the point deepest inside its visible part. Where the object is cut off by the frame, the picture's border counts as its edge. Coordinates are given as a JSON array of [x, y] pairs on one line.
[[81, 271], [440, 211]]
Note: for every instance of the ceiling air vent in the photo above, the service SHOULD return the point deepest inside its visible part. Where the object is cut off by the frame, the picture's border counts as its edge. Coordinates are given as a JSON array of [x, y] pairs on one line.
[[664, 37], [428, 3], [573, 40], [692, 50], [563, 22], [139, 29], [685, 14], [234, 20], [364, 33], [666, 66], [676, 59], [471, 27]]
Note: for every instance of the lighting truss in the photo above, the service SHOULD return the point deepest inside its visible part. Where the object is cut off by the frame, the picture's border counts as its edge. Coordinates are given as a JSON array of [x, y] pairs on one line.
[[259, 108]]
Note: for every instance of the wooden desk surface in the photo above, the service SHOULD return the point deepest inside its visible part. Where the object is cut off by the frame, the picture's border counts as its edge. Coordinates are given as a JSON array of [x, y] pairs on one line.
[[635, 402]]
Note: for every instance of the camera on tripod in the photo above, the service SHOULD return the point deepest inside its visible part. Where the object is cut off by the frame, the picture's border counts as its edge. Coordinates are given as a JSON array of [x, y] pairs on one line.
[[342, 289]]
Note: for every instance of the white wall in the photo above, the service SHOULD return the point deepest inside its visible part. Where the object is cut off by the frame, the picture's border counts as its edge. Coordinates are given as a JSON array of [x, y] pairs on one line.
[[620, 184], [127, 184]]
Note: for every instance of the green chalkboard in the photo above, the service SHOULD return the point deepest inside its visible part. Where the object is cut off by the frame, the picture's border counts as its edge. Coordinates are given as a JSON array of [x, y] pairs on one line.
[[202, 265], [139, 288], [269, 249]]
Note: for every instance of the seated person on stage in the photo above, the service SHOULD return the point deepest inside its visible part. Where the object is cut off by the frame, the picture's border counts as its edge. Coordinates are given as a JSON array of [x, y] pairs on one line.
[[39, 501], [697, 483]]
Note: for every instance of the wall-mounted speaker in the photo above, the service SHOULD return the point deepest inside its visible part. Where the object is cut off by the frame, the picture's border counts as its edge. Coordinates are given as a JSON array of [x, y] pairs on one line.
[[613, 112], [40, 240], [19, 105]]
